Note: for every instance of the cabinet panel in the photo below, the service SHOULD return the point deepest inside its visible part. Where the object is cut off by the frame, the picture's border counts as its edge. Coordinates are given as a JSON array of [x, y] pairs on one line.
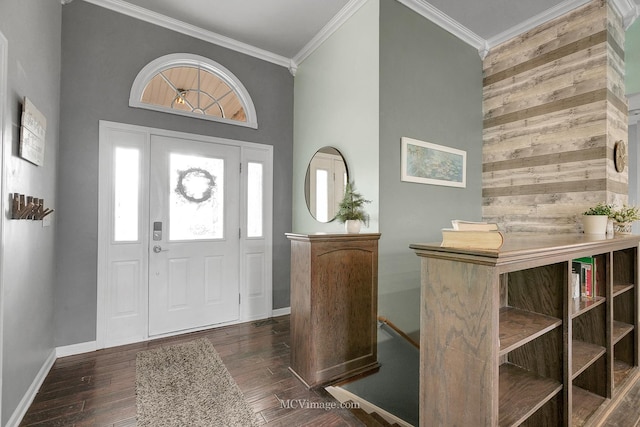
[[459, 343], [343, 307], [334, 306]]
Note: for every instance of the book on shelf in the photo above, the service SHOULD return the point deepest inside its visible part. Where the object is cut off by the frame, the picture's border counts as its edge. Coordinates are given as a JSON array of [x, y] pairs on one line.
[[471, 239], [586, 268], [459, 224]]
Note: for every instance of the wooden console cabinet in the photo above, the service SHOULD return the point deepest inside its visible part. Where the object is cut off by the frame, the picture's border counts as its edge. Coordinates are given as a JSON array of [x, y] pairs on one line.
[[334, 305], [503, 342]]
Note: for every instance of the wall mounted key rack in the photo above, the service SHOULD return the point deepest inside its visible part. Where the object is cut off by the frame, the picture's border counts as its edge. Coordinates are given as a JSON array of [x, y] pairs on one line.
[[28, 207]]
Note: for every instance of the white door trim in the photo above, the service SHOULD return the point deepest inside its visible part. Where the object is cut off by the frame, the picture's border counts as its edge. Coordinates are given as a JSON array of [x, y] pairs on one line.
[[258, 308], [4, 146]]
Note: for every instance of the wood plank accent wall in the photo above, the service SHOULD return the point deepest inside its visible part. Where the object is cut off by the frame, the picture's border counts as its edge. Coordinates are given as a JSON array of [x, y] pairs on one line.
[[554, 106]]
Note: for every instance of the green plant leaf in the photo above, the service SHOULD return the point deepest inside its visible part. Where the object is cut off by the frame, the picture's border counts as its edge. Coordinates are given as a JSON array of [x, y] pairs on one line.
[[351, 206]]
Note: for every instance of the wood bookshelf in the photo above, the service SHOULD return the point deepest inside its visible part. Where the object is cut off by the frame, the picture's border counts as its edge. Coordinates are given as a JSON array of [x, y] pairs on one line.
[[504, 343]]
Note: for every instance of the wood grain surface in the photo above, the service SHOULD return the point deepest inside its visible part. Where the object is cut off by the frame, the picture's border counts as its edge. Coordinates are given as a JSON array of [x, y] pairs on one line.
[[554, 105], [334, 306]]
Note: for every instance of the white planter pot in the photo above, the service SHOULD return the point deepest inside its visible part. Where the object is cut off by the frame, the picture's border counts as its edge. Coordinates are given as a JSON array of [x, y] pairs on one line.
[[594, 224], [352, 226]]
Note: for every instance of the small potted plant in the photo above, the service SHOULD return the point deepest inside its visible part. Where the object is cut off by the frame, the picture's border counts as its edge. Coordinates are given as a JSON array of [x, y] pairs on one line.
[[351, 210], [594, 219], [624, 218]]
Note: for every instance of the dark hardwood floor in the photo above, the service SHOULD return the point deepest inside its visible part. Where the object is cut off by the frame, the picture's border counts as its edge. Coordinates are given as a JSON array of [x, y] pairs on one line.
[[98, 389]]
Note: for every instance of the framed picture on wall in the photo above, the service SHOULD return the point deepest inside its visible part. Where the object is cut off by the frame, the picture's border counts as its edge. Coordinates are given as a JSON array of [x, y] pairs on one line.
[[428, 163], [32, 133]]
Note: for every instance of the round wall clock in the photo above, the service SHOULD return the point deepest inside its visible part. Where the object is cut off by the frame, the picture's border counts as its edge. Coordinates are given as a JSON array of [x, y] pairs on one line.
[[620, 155]]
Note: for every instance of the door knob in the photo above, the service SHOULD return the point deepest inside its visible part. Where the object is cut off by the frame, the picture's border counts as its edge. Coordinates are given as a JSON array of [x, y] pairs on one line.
[[157, 249]]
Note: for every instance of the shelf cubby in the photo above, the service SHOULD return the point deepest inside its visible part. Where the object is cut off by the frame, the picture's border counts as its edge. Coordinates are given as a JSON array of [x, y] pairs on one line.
[[522, 393], [624, 353], [625, 262], [623, 308], [538, 290], [621, 371], [594, 377], [584, 355], [619, 289], [518, 327], [582, 305], [585, 404], [620, 330], [590, 326]]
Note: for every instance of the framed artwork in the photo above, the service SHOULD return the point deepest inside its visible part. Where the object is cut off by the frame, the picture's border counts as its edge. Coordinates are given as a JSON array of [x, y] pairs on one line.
[[32, 133], [428, 163]]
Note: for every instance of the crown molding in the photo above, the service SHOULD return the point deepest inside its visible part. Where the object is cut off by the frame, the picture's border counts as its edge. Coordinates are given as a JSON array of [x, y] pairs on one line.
[[63, 2], [627, 9], [546, 16], [443, 20], [332, 26], [454, 27], [189, 30]]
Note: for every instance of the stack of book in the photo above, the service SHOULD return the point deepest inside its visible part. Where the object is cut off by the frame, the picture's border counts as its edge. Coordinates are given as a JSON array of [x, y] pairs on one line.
[[472, 235], [586, 269]]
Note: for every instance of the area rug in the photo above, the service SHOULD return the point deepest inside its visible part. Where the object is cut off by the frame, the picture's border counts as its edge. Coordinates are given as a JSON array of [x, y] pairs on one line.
[[188, 385]]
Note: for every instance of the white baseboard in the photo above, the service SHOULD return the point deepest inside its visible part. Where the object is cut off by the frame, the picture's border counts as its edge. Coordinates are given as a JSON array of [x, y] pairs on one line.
[[30, 394], [72, 350], [281, 312]]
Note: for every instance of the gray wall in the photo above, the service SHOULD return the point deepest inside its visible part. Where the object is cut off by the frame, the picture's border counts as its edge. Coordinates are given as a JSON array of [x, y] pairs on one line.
[[102, 53], [431, 90], [34, 72]]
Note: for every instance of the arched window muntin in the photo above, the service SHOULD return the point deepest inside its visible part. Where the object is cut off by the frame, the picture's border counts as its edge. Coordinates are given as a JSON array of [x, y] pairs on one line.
[[164, 64]]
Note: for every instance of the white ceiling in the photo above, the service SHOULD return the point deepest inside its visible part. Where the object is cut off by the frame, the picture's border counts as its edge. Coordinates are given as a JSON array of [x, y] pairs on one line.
[[285, 29]]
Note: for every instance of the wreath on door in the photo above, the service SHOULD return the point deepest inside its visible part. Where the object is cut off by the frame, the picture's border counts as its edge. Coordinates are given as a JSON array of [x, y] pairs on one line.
[[183, 187]]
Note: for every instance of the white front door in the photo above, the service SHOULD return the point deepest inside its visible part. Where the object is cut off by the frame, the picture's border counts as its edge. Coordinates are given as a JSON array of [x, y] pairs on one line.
[[209, 260], [194, 212]]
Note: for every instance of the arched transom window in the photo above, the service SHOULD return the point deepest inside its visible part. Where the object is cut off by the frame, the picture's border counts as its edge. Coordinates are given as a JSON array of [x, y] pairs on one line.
[[193, 86]]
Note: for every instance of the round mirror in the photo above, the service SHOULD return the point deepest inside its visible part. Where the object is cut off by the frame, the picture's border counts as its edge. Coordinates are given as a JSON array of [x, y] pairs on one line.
[[327, 175]]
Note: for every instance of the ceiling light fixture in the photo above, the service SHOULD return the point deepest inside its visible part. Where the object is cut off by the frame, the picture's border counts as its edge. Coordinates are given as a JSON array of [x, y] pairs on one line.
[[181, 93]]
